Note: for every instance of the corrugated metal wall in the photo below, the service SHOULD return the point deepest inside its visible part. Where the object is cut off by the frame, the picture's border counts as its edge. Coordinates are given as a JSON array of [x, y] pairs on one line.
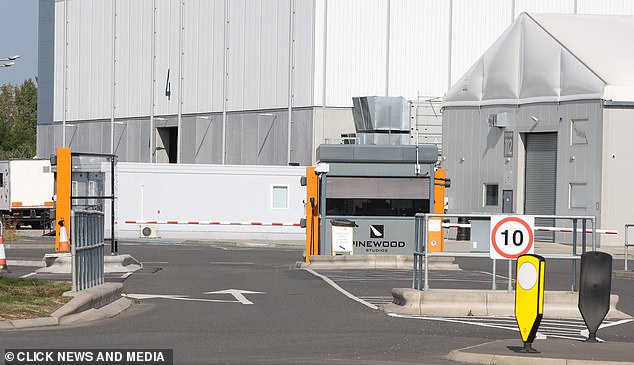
[[407, 48], [257, 51], [233, 56]]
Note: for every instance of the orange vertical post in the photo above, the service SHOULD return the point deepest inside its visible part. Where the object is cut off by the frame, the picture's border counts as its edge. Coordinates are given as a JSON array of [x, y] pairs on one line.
[[436, 237], [62, 210], [312, 213]]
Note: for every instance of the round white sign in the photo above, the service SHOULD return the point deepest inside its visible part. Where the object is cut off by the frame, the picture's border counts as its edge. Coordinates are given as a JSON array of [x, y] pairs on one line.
[[511, 236], [527, 276]]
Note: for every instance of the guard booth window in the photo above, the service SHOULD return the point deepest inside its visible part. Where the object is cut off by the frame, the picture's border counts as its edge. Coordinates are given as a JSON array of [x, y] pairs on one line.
[[362, 196]]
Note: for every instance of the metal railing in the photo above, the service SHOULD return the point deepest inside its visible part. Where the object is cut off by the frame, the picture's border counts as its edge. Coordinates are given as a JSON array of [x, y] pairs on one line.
[[627, 244], [87, 248], [420, 280]]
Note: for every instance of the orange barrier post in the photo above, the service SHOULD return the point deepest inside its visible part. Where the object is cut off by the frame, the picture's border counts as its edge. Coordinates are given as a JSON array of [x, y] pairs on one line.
[[435, 232], [312, 213], [62, 209], [3, 256]]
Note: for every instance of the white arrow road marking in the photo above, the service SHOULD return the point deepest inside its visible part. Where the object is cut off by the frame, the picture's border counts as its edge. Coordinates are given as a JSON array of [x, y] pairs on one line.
[[174, 297], [237, 293]]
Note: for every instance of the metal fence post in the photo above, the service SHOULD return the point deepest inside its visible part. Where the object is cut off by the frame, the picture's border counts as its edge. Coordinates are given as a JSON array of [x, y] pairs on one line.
[[573, 287], [425, 238], [594, 234], [627, 245], [493, 282]]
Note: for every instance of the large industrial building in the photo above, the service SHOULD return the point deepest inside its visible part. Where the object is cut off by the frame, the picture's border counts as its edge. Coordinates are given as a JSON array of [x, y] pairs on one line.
[[542, 122], [253, 82]]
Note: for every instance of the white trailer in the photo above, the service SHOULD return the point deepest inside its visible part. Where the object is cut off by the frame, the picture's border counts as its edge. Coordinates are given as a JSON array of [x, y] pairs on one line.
[[26, 191]]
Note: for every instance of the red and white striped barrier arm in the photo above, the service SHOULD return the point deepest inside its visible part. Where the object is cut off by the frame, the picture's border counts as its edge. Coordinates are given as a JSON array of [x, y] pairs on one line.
[[215, 223], [569, 230], [541, 229]]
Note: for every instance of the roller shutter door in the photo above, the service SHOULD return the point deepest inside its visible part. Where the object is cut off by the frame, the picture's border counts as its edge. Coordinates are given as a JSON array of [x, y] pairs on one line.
[[541, 179]]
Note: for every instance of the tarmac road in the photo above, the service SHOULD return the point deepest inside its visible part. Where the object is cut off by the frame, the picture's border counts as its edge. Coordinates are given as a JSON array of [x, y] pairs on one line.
[[295, 317]]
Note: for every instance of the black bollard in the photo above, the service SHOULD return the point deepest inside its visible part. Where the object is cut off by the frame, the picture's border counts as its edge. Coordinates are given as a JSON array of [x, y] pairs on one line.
[[595, 284]]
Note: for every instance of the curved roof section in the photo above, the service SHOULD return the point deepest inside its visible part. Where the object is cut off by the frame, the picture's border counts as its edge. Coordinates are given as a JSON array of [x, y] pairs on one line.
[[552, 58]]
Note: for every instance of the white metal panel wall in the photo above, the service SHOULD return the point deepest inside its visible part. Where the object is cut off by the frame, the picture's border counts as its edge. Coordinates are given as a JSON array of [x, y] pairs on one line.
[[356, 53], [303, 53], [133, 52], [617, 173], [622, 7], [167, 36], [88, 55], [203, 42], [419, 43], [58, 73], [544, 6], [476, 25]]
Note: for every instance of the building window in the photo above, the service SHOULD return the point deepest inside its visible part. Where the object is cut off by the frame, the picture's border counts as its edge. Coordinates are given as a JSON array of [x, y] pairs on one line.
[[280, 197], [491, 195], [578, 193], [579, 132]]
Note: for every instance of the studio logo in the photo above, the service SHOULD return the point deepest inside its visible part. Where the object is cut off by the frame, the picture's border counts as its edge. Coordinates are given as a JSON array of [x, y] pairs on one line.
[[376, 231]]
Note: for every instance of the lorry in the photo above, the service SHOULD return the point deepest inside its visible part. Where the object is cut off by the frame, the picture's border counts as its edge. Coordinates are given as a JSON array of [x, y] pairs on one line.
[[26, 192]]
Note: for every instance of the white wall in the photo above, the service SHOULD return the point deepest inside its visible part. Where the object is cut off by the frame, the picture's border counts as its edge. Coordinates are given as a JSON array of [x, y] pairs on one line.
[[162, 192], [341, 48], [617, 174]]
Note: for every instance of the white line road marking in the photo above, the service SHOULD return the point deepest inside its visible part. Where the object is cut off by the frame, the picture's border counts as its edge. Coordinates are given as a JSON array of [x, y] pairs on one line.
[[28, 275], [341, 290], [126, 275], [237, 293], [586, 333], [174, 297], [539, 335]]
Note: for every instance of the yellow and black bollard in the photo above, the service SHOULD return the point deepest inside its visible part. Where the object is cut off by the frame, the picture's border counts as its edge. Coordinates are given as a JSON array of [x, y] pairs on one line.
[[529, 297]]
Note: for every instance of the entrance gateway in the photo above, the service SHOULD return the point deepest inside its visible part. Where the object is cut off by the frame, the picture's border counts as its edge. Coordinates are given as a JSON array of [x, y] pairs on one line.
[[368, 195]]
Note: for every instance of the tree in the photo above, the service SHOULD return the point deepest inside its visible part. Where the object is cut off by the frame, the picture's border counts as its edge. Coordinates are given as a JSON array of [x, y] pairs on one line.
[[18, 120]]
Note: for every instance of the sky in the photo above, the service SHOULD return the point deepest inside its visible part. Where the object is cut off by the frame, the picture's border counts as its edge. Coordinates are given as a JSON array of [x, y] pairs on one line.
[[18, 24]]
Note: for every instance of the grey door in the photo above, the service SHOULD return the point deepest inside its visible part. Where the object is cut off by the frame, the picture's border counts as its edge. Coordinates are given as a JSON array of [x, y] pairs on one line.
[[507, 201], [541, 179]]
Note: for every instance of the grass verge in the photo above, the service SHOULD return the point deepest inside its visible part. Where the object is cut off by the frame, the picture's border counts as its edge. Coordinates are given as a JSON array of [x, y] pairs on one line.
[[30, 298]]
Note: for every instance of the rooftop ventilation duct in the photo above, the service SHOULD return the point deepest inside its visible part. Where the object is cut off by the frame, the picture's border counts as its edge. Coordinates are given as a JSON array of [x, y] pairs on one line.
[[381, 119]]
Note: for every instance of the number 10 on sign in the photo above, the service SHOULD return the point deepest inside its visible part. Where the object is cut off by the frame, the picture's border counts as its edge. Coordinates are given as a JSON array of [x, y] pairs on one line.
[[511, 236]]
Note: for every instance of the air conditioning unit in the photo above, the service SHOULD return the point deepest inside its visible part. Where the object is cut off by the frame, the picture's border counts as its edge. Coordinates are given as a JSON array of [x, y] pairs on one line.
[[148, 231]]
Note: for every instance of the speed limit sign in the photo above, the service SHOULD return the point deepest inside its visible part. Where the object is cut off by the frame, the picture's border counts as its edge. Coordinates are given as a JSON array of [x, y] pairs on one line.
[[511, 236]]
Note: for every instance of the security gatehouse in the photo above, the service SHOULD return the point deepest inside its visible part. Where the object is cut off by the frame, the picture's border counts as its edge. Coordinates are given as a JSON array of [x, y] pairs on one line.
[[364, 198]]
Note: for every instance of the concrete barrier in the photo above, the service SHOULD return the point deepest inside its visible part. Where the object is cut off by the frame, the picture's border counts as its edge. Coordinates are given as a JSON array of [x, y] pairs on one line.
[[375, 262], [463, 303], [61, 263]]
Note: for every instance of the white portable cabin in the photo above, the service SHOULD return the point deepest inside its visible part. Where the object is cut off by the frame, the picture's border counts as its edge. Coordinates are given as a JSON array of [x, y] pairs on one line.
[[227, 202], [543, 123]]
